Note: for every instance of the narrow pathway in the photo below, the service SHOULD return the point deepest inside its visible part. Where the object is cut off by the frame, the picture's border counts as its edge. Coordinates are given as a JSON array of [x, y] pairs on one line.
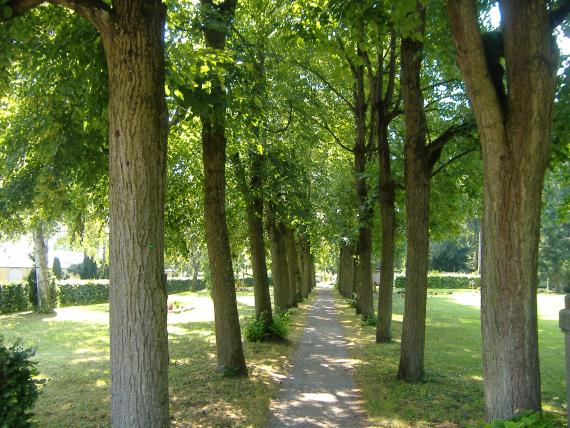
[[319, 391]]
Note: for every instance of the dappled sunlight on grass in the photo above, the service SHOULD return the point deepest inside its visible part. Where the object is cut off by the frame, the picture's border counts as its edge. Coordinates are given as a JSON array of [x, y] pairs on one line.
[[73, 355], [451, 394]]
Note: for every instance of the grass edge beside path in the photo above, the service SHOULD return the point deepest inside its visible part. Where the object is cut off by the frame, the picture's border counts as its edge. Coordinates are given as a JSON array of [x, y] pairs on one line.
[[452, 393], [73, 354]]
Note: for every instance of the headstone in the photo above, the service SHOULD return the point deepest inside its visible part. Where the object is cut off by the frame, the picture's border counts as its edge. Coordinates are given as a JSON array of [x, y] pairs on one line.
[[565, 327]]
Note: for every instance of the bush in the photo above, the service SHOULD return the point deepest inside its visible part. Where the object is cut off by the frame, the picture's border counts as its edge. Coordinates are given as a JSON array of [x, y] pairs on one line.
[[14, 297], [258, 329], [181, 285], [369, 321], [18, 389], [528, 419], [23, 297], [438, 280], [83, 292]]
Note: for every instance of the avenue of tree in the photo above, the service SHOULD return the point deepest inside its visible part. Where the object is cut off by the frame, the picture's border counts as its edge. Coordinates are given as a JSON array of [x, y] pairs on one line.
[[348, 133]]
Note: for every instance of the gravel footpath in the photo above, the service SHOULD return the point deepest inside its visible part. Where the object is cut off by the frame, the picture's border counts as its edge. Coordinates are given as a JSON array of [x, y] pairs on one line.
[[319, 391]]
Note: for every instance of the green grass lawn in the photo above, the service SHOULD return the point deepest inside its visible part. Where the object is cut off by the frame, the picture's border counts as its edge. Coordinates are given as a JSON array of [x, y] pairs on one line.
[[452, 394], [73, 354]]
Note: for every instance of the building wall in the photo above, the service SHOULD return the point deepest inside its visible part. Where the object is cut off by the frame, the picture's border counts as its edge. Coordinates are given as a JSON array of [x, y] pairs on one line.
[[14, 274]]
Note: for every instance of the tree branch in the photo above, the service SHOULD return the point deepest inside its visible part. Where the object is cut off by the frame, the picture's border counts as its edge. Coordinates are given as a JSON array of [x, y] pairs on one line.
[[95, 11], [450, 161], [326, 82], [448, 135], [324, 126]]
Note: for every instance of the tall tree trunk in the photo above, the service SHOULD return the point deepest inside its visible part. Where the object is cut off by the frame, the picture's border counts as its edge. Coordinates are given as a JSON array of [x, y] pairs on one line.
[[345, 271], [515, 141], [417, 175], [385, 112], [42, 276], [291, 265], [313, 273], [133, 36], [388, 219], [253, 196], [306, 255], [137, 165], [279, 270], [257, 243], [364, 240], [228, 336]]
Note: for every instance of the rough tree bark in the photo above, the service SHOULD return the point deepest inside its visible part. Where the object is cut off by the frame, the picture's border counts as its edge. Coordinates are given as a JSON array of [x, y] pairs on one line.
[[417, 176], [41, 266], [279, 270], [515, 143], [364, 241], [291, 265], [253, 195], [228, 336], [386, 192]]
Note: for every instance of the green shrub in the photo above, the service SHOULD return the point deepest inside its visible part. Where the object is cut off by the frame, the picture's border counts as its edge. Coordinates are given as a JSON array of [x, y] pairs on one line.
[[369, 321], [14, 297], [258, 329], [352, 302], [181, 285], [74, 292], [528, 419], [438, 280], [18, 389]]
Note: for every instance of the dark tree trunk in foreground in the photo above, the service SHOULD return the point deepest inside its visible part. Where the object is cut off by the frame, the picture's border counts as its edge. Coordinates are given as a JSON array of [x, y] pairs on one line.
[[133, 36], [41, 270], [228, 336], [515, 141], [291, 265], [417, 174]]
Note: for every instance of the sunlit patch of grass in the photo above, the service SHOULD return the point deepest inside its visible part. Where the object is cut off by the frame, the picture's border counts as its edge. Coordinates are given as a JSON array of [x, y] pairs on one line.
[[451, 394], [73, 354]]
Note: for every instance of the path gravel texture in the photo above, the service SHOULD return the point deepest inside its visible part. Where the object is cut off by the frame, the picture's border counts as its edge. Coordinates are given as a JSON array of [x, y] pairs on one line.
[[319, 391]]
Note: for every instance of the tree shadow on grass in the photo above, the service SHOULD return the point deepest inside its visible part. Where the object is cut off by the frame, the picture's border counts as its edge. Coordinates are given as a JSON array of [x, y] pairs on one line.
[[74, 356], [451, 394]]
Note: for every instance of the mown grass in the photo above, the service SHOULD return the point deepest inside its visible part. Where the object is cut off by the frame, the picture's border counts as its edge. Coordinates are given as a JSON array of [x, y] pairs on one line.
[[452, 393], [73, 354]]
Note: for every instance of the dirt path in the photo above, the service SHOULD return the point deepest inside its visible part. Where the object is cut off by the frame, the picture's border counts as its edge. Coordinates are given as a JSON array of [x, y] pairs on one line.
[[319, 391]]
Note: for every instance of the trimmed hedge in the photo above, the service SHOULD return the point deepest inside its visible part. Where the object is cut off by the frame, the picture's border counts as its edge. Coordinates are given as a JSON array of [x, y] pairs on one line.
[[438, 280], [83, 292], [16, 297]]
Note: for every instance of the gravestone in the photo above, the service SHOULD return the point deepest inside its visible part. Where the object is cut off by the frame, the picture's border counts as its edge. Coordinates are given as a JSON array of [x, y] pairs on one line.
[[565, 327]]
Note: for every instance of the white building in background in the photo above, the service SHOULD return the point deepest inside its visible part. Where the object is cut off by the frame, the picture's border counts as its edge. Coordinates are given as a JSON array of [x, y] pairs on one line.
[[16, 264]]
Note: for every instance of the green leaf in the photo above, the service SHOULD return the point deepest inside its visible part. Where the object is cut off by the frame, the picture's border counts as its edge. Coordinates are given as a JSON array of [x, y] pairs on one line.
[[167, 90], [7, 12], [257, 101], [179, 94]]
